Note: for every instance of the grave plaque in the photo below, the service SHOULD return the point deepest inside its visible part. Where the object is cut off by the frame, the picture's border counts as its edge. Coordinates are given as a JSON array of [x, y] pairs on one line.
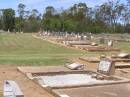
[[106, 67], [11, 89], [110, 43]]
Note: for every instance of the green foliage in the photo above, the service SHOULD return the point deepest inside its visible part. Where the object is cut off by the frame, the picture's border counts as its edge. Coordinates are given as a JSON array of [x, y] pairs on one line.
[[110, 17], [9, 19], [69, 25], [21, 10], [1, 24], [31, 26], [19, 24]]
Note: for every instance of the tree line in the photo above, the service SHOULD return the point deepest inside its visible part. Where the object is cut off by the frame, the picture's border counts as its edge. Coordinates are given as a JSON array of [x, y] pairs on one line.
[[110, 17]]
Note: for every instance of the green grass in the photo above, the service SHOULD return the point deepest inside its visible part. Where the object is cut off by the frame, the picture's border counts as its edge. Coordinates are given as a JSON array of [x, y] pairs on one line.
[[124, 46], [24, 49]]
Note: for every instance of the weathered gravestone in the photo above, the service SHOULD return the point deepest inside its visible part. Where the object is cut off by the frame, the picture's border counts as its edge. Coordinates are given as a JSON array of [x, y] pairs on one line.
[[11, 89], [106, 67], [110, 43]]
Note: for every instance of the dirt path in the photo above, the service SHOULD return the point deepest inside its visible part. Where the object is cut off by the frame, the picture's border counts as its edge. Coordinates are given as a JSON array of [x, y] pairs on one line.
[[29, 88]]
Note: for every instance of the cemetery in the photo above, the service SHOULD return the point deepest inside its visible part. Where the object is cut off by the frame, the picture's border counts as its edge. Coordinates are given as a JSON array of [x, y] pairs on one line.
[[64, 82], [65, 48], [90, 43], [80, 76]]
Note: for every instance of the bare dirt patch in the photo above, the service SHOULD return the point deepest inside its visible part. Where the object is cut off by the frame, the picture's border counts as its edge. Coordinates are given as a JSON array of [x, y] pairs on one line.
[[29, 88]]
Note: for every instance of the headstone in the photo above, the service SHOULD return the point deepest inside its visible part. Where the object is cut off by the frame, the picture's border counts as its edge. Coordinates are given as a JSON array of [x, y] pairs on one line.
[[92, 37], [110, 43], [75, 66], [106, 67], [11, 89], [123, 55], [85, 37], [94, 44], [64, 95], [8, 31]]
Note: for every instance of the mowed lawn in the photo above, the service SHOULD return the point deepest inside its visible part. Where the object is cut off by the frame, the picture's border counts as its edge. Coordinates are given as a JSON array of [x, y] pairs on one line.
[[24, 49]]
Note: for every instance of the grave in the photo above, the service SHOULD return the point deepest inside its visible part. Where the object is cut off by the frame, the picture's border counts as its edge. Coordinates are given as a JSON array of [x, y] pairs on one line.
[[11, 89], [110, 43], [122, 57], [90, 59], [106, 67], [65, 83], [101, 48], [75, 66], [71, 43], [120, 90], [103, 76]]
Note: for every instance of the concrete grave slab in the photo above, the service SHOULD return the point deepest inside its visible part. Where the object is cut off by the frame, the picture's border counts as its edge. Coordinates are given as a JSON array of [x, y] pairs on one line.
[[71, 83], [120, 90]]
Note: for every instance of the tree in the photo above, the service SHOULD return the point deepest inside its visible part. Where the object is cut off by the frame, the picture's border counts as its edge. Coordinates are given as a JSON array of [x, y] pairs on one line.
[[49, 12], [111, 16], [34, 13], [47, 18], [33, 22], [111, 13], [9, 19], [1, 16], [21, 10]]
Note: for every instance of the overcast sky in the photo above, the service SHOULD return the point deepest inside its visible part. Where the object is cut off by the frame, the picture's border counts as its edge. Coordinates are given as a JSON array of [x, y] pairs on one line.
[[42, 4]]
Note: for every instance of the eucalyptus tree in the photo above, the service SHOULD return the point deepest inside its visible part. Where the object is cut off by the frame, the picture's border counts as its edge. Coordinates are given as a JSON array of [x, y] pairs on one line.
[[9, 19], [21, 10], [1, 18], [34, 13], [127, 13], [111, 13], [126, 17], [82, 7], [48, 18], [32, 23], [73, 9], [49, 12], [20, 19]]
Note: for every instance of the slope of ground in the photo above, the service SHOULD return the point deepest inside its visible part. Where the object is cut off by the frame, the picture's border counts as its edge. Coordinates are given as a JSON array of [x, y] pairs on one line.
[[23, 49]]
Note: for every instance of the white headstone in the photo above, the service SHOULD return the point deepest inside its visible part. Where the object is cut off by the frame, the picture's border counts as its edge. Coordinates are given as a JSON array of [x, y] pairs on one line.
[[64, 96], [123, 55], [106, 67], [8, 31], [11, 89], [110, 43]]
